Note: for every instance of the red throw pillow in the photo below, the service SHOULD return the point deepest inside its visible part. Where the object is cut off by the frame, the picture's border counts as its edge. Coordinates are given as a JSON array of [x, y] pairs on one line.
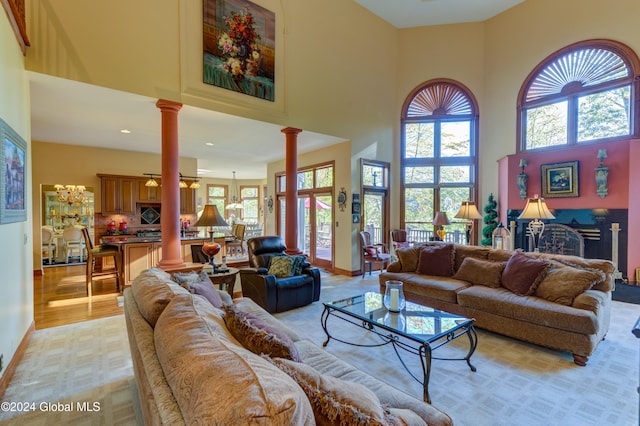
[[522, 274], [436, 260]]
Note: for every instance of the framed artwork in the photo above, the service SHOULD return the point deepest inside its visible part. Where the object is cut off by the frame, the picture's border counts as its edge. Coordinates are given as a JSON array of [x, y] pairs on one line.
[[239, 47], [12, 176], [560, 180]]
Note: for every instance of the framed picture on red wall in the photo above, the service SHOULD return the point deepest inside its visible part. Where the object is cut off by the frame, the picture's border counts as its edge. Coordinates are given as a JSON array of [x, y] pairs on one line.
[[560, 180]]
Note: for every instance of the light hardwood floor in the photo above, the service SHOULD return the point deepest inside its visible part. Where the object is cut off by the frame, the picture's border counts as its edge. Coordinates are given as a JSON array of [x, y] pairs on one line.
[[60, 297]]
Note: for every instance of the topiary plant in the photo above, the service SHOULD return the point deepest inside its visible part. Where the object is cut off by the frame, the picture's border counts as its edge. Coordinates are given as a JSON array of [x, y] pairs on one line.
[[490, 221]]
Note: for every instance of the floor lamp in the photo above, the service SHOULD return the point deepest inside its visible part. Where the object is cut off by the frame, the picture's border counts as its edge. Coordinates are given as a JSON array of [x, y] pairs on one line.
[[469, 212], [536, 209]]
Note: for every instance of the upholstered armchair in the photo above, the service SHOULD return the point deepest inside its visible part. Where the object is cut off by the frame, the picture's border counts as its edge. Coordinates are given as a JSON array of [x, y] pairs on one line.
[[272, 293]]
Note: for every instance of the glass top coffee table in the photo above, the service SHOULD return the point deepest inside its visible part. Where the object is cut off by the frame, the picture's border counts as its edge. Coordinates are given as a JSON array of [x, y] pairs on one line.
[[418, 329]]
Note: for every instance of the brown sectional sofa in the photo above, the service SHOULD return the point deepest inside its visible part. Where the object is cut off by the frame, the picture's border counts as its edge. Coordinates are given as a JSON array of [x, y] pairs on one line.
[[190, 369], [567, 307]]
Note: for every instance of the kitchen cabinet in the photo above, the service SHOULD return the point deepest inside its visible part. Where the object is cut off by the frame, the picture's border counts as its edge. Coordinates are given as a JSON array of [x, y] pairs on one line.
[[187, 201], [118, 195], [144, 255], [149, 194], [138, 257]]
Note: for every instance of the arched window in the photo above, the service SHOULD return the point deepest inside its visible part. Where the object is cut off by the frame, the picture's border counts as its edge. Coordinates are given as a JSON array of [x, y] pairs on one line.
[[439, 155], [583, 93]]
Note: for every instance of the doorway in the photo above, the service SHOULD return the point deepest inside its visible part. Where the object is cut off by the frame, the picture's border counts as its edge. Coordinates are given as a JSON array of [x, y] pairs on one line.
[[316, 212], [64, 209], [374, 216], [374, 177]]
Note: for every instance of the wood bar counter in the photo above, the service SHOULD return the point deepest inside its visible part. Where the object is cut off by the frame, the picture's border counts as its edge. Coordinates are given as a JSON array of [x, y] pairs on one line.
[[140, 253]]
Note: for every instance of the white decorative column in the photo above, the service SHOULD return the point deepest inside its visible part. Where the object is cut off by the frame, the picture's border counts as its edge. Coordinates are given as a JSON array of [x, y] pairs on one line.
[[615, 229], [512, 241]]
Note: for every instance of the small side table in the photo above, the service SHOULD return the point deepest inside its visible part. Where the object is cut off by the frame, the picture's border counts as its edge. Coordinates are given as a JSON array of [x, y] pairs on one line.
[[225, 279]]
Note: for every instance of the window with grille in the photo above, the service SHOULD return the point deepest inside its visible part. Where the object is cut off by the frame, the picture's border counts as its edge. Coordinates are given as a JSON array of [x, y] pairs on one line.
[[583, 93], [439, 155], [217, 195]]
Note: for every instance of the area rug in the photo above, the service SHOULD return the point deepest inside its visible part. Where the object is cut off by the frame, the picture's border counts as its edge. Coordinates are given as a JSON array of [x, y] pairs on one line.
[[515, 383], [75, 374]]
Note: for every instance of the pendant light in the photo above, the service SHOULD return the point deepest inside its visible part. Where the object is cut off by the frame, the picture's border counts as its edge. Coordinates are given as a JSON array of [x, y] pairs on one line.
[[235, 199]]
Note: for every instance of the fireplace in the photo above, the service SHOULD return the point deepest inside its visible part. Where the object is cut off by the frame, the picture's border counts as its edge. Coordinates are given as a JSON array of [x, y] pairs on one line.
[[594, 226]]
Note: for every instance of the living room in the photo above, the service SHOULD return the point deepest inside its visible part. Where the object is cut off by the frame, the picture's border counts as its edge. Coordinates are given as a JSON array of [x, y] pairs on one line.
[[327, 85]]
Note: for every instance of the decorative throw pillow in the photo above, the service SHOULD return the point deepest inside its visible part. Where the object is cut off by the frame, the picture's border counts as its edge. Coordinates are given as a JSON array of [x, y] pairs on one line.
[[408, 258], [462, 252], [371, 251], [297, 264], [436, 260], [199, 283], [564, 283], [522, 274], [258, 336], [335, 401], [480, 272], [281, 266], [208, 291]]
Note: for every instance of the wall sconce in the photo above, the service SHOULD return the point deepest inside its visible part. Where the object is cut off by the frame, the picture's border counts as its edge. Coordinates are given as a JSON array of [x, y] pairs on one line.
[[522, 180], [602, 173], [270, 204]]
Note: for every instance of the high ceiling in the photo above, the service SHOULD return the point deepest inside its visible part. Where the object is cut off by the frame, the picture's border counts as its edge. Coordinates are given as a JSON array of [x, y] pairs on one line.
[[417, 13], [70, 112]]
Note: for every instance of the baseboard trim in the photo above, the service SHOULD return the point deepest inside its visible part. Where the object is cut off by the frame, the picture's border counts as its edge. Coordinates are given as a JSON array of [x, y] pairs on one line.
[[17, 357]]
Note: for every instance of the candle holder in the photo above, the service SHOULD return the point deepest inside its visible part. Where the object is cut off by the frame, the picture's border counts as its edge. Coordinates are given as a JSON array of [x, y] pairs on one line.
[[522, 180], [394, 299], [602, 173]]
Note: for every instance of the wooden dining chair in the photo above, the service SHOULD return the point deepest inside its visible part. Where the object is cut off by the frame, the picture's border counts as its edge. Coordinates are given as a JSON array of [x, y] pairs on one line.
[[97, 252], [238, 240]]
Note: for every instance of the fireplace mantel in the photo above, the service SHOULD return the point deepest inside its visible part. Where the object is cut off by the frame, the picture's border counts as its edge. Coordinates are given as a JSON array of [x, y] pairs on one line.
[[593, 225]]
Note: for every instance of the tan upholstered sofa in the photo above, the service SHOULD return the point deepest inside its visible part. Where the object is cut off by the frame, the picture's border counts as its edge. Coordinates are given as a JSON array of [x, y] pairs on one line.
[[190, 368], [561, 302]]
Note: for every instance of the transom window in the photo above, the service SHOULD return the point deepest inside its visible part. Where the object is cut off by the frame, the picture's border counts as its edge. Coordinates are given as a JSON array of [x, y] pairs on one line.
[[439, 156], [580, 94]]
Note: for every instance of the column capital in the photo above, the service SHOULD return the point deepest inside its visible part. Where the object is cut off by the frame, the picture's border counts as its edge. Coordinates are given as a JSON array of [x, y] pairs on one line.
[[164, 104], [290, 131]]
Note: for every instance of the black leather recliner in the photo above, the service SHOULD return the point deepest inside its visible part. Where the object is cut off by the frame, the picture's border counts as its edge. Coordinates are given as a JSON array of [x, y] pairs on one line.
[[276, 294]]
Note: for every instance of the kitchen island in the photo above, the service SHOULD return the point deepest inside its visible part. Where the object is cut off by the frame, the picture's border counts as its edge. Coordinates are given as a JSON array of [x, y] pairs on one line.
[[140, 253]]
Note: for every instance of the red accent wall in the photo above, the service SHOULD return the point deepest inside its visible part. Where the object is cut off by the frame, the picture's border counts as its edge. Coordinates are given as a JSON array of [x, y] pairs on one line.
[[617, 160], [623, 179], [634, 208]]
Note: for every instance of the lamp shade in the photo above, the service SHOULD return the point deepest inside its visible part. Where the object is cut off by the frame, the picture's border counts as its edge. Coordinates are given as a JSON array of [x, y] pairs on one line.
[[469, 211], [440, 219], [536, 208], [211, 217]]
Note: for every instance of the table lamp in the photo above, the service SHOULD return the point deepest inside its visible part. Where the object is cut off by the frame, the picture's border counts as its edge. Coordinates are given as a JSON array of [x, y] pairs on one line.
[[469, 212], [210, 217], [439, 220], [536, 209]]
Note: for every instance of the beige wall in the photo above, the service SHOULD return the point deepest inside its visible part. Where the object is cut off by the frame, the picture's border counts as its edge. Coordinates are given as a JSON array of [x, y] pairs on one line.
[[495, 57], [340, 69], [79, 165], [345, 254], [16, 284]]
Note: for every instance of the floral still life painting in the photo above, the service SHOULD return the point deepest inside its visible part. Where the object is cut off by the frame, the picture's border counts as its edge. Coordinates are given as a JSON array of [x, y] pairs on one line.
[[239, 47]]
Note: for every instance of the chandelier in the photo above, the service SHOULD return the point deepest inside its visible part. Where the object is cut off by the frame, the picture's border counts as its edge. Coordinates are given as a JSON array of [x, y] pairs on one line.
[[70, 194], [235, 200]]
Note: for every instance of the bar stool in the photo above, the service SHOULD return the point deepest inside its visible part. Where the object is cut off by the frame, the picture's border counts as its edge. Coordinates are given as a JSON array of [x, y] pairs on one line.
[[100, 252]]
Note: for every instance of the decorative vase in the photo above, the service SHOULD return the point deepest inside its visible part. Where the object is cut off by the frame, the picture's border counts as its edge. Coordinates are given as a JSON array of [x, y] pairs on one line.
[[394, 299]]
